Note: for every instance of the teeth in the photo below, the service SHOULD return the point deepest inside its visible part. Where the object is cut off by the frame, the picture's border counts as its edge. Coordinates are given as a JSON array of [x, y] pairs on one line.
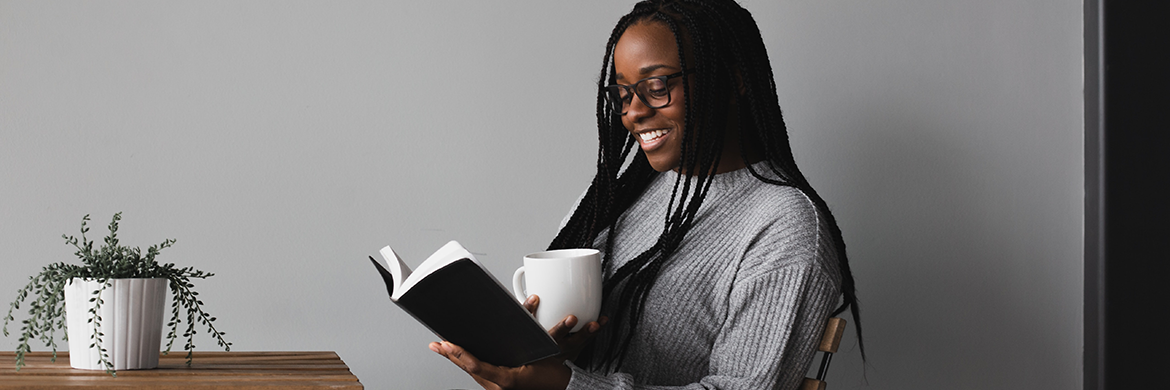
[[650, 135]]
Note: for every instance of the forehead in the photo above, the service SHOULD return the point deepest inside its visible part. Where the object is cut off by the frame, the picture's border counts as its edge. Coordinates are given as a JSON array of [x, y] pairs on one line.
[[643, 49]]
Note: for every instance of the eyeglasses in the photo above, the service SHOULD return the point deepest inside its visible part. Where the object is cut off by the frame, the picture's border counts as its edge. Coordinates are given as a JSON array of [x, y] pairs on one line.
[[653, 91]]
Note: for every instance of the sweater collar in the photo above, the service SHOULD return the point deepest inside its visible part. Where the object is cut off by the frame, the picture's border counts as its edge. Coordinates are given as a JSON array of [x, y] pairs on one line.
[[727, 180]]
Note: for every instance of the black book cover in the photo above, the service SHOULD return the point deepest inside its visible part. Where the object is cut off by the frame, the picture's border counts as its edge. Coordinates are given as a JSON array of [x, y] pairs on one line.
[[464, 305]]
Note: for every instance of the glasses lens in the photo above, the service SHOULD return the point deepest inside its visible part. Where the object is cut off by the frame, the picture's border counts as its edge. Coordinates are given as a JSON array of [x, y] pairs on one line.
[[654, 92], [619, 97]]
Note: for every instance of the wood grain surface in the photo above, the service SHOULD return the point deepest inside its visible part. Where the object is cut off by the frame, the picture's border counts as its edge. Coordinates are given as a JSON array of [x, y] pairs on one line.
[[223, 370]]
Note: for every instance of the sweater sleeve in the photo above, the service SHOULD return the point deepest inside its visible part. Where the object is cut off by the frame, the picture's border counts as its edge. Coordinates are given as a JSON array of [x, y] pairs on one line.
[[768, 338]]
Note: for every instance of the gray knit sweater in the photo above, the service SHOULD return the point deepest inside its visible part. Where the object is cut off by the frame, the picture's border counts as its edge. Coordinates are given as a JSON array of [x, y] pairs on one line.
[[743, 301]]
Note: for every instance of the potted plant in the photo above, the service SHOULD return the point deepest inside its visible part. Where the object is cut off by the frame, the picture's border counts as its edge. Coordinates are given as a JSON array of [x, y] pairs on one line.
[[110, 307]]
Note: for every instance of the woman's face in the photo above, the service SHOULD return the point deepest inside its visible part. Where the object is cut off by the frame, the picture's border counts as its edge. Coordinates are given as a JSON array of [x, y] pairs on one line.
[[648, 49]]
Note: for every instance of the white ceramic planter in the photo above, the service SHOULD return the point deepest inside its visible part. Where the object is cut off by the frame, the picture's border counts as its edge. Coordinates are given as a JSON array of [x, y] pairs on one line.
[[132, 314]]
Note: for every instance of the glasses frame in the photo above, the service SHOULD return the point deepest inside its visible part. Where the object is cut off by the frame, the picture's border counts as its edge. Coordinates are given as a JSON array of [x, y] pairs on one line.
[[613, 90]]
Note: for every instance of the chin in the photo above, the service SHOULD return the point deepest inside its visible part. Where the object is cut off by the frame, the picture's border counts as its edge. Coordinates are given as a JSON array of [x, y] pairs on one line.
[[662, 166]]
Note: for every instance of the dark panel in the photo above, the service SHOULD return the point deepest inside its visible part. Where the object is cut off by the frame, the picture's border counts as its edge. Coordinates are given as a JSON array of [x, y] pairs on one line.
[[1136, 211]]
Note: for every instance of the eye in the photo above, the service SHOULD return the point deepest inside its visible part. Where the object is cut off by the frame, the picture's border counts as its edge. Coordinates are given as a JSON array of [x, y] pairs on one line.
[[656, 88]]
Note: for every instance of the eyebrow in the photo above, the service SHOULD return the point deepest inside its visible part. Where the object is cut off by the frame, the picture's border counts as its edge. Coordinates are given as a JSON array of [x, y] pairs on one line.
[[645, 70]]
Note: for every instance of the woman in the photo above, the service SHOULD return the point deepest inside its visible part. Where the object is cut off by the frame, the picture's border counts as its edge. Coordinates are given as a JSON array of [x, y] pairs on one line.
[[721, 261]]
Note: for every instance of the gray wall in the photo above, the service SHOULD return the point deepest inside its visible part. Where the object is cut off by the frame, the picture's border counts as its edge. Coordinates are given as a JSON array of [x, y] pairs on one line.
[[282, 142]]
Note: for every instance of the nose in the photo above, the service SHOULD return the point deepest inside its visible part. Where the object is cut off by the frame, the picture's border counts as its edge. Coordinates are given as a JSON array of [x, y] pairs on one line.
[[638, 110]]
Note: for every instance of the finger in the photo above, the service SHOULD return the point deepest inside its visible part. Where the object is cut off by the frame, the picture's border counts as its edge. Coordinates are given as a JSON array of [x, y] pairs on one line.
[[575, 341], [585, 333], [597, 325], [441, 350], [532, 303], [471, 364], [561, 329]]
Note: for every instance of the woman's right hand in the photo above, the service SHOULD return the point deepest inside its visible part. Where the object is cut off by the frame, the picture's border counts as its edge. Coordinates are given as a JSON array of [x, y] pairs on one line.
[[570, 343], [547, 373]]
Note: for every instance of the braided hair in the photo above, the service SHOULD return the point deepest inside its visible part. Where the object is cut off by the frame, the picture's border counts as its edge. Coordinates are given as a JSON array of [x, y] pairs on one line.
[[722, 55]]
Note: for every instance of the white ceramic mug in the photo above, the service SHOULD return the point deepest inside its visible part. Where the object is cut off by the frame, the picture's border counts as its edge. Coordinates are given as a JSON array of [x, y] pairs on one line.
[[568, 281]]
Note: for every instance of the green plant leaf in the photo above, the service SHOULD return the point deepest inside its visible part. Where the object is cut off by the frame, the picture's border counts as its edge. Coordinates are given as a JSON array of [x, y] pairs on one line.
[[46, 310]]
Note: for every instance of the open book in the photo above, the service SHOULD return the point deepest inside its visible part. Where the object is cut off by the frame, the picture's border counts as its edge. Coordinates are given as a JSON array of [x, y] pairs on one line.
[[454, 296]]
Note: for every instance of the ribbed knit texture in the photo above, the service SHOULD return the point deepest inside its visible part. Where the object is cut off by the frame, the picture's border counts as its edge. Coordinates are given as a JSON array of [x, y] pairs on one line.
[[743, 301]]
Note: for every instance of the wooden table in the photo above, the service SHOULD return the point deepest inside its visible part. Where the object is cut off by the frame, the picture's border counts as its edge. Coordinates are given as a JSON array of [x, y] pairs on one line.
[[225, 370]]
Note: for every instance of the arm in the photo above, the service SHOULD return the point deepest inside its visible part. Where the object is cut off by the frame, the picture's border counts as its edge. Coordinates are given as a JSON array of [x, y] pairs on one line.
[[768, 338]]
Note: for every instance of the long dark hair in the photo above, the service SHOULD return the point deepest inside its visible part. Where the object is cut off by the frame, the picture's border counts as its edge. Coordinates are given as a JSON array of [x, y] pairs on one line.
[[722, 53]]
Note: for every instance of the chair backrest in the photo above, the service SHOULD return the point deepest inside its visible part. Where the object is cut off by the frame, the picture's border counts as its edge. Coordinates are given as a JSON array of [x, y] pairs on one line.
[[834, 328]]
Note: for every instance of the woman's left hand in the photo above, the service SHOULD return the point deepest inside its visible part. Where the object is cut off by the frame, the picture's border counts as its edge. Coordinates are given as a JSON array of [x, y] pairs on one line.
[[550, 373]]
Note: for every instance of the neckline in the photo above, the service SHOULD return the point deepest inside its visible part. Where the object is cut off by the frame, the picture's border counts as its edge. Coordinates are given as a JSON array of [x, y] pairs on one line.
[[726, 181]]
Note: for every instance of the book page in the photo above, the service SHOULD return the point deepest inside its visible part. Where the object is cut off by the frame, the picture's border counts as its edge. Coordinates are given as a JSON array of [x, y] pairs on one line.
[[448, 254], [398, 270]]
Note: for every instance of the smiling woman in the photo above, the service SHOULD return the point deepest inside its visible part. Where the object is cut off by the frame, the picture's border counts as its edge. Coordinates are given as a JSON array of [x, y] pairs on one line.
[[721, 262], [647, 52]]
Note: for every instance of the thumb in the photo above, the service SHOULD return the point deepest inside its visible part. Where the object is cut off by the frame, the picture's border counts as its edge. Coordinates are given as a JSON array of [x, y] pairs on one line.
[[465, 360]]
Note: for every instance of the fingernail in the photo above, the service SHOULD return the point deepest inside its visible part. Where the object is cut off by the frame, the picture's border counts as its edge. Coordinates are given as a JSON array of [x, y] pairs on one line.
[[434, 347]]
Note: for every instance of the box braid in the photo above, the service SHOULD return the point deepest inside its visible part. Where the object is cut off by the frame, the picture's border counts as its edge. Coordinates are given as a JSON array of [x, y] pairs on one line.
[[724, 44]]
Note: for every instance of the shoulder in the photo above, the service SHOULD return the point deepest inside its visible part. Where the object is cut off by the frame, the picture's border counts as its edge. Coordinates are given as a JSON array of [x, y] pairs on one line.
[[784, 231], [785, 219], [771, 205], [765, 210], [780, 205]]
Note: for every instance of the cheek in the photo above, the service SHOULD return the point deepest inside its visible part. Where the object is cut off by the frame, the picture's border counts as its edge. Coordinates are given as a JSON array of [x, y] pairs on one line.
[[677, 115], [676, 112]]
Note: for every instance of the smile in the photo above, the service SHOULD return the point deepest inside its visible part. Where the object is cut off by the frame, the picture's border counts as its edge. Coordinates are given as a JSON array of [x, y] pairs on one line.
[[652, 140], [652, 135]]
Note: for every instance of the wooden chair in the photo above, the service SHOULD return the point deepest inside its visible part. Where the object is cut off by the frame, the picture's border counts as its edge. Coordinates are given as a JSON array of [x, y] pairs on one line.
[[829, 343]]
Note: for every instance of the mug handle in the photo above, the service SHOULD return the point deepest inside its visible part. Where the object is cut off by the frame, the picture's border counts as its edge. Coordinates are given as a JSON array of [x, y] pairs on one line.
[[518, 285]]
